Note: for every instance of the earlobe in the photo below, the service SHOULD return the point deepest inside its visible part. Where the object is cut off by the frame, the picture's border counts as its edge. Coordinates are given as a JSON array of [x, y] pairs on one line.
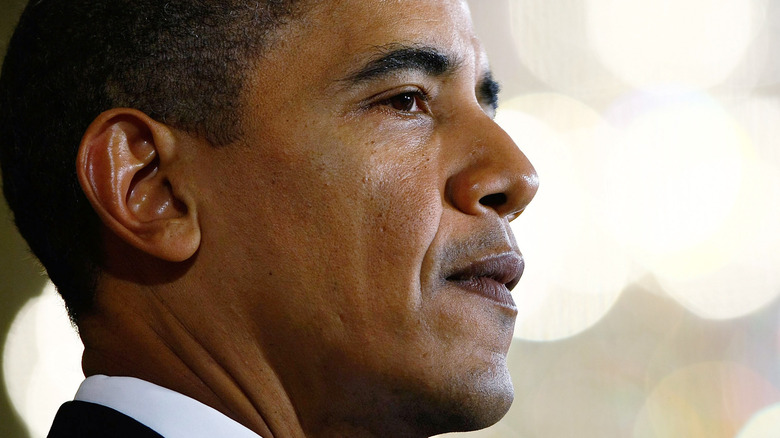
[[125, 167]]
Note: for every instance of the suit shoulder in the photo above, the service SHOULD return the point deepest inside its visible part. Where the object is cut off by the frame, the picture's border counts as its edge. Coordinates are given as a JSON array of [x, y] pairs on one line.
[[77, 419]]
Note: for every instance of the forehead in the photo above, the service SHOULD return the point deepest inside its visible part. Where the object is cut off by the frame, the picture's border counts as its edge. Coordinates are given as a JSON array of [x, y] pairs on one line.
[[442, 21], [336, 35]]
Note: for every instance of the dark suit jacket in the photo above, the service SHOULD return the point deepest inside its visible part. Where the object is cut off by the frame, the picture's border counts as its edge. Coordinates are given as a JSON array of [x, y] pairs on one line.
[[79, 419]]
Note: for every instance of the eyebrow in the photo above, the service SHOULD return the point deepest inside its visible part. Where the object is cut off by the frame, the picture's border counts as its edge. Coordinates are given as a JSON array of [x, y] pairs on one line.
[[396, 58], [488, 90]]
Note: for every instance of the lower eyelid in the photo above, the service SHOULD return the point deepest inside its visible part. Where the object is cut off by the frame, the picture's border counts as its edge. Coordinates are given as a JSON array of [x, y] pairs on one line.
[[421, 102]]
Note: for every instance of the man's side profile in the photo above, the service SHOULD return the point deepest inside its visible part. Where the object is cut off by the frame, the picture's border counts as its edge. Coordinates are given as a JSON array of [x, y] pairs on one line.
[[283, 218]]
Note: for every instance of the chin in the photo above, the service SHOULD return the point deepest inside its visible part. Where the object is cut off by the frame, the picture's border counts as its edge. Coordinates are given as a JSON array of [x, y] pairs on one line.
[[469, 404]]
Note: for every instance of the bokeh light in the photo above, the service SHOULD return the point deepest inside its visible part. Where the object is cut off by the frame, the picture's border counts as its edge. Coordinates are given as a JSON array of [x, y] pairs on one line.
[[759, 117], [578, 271], [673, 174], [682, 189], [744, 255], [649, 306], [698, 43], [707, 400], [41, 361], [565, 405], [765, 424], [551, 41]]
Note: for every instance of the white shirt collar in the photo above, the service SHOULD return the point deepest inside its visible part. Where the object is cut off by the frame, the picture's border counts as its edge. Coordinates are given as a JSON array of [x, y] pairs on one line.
[[167, 412]]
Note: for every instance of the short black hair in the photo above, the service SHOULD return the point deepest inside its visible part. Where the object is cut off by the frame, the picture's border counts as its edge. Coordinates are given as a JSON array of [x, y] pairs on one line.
[[182, 62]]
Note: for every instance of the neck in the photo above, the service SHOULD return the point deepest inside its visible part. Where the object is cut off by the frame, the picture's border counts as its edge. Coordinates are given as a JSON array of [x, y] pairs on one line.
[[148, 339]]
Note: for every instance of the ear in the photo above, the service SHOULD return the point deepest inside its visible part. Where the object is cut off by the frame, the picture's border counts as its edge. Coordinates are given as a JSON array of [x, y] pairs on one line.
[[125, 165]]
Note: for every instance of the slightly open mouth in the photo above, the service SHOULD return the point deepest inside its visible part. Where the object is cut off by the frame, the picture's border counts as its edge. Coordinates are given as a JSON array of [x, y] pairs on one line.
[[505, 269], [492, 277]]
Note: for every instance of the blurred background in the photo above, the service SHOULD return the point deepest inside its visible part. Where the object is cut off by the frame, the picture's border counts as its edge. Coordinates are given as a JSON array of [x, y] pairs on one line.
[[649, 306]]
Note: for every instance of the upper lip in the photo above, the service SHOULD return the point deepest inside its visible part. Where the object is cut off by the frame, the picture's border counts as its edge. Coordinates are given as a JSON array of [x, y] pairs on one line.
[[506, 268]]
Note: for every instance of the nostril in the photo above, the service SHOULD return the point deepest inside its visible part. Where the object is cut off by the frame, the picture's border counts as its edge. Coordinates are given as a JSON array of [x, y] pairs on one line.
[[493, 200]]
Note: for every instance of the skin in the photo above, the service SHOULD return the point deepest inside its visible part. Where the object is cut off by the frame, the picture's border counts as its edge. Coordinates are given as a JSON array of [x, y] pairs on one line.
[[297, 280]]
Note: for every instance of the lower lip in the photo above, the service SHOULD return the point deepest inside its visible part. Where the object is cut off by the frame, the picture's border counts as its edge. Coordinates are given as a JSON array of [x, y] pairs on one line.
[[490, 289]]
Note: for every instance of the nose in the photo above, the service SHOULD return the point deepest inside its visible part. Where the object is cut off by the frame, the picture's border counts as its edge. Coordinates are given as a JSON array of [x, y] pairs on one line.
[[491, 174]]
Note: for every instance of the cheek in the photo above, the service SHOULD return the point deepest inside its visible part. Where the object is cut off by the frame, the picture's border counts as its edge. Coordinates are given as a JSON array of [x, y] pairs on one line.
[[404, 219], [399, 208], [333, 234], [391, 211], [382, 204], [404, 187]]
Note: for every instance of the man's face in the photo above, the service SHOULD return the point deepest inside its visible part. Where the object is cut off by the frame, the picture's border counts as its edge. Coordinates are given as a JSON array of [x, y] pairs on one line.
[[360, 229]]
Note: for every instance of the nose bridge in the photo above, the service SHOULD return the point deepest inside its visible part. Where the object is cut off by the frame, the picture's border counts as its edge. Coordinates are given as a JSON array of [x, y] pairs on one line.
[[490, 172]]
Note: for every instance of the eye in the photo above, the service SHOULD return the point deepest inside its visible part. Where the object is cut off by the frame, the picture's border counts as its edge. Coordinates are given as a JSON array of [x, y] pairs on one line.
[[409, 102]]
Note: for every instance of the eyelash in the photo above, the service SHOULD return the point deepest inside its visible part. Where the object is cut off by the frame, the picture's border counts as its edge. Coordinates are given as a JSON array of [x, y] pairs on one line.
[[416, 98], [421, 99]]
